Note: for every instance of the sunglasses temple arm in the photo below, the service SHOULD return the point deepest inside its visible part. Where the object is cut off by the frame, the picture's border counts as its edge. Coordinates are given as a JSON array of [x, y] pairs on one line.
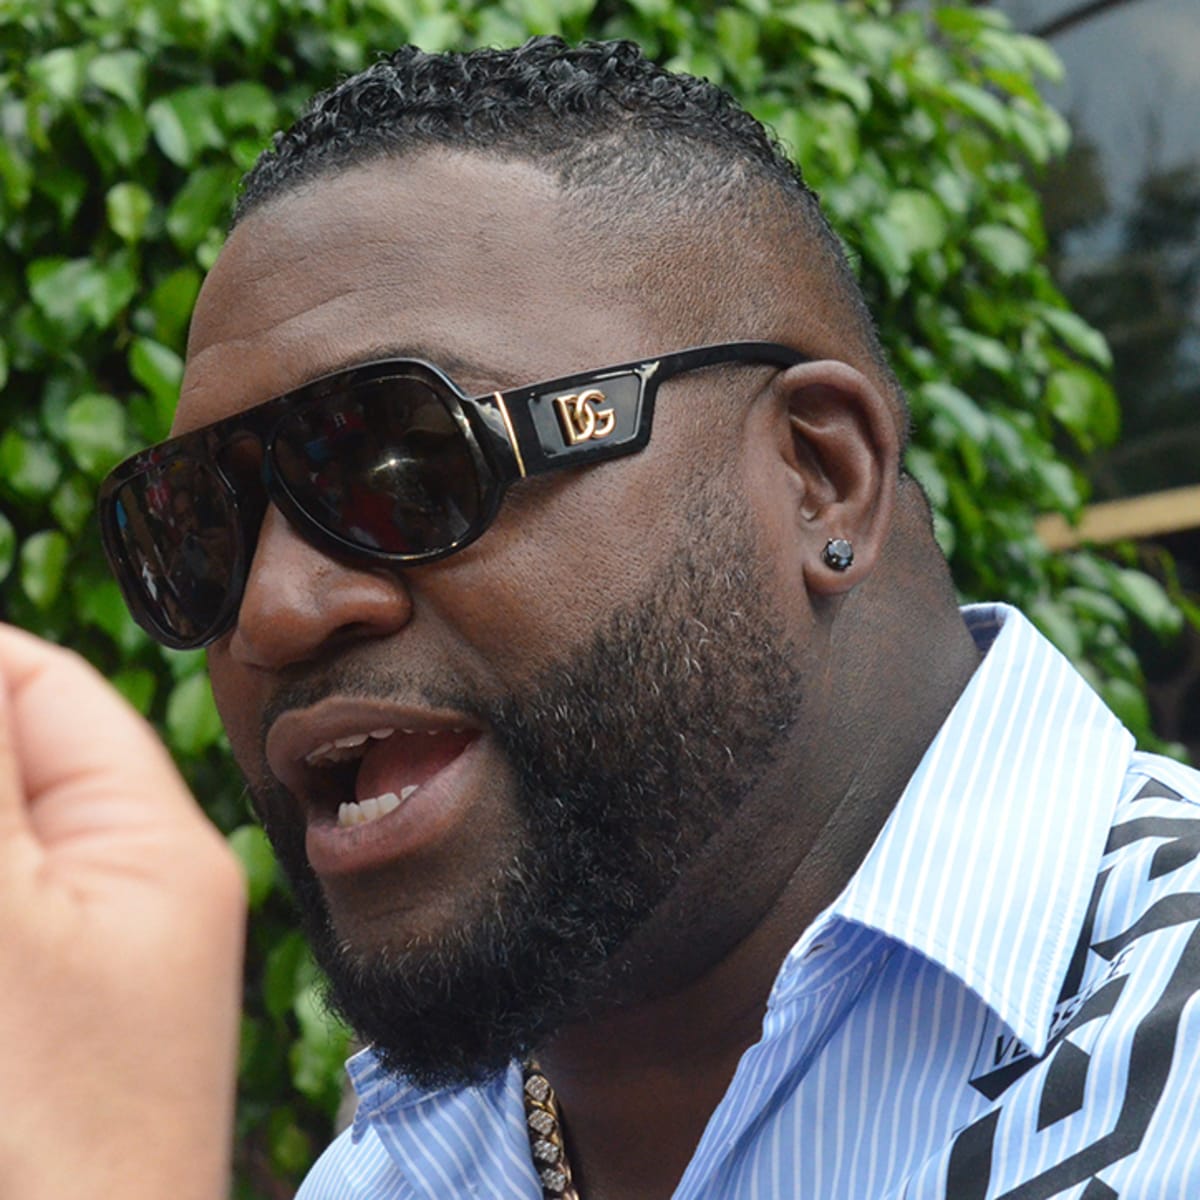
[[491, 418]]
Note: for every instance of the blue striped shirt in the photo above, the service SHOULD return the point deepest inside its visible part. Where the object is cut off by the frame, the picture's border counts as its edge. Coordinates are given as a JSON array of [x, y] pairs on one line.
[[1002, 1003]]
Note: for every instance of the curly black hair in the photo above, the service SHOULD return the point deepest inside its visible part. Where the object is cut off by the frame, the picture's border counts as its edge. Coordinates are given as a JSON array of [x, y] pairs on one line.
[[545, 101]]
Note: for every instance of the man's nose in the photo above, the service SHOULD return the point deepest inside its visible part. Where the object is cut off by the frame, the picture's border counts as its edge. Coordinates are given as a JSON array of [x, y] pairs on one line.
[[299, 603]]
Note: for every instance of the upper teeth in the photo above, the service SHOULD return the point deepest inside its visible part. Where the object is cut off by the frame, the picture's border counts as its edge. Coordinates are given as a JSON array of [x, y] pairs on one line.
[[343, 748], [374, 807], [351, 745]]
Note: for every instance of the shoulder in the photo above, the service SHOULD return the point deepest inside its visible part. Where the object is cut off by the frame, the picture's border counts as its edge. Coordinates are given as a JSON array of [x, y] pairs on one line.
[[1153, 846], [353, 1169], [1111, 1104]]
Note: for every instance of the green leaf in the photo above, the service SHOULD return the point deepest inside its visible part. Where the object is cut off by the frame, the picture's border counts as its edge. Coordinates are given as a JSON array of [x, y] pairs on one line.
[[437, 32], [1084, 402], [539, 16], [122, 135], [1041, 57], [923, 467], [95, 433], [824, 23], [944, 533], [43, 567], [981, 104], [159, 370], [61, 287], [249, 105], [1032, 135], [171, 303], [192, 720], [128, 206], [183, 125], [101, 604], [3, 363], [1058, 625], [137, 685], [1128, 702], [737, 34], [8, 546], [317, 1058], [968, 23], [121, 73], [840, 77], [837, 135], [60, 72], [16, 174], [254, 851], [959, 408], [999, 50], [75, 292], [919, 217], [1059, 485], [29, 468], [288, 968], [67, 188], [72, 504], [1097, 605], [184, 663], [210, 248], [1081, 337], [1147, 599], [203, 202], [886, 246], [290, 1148], [1003, 248], [952, 191], [986, 351]]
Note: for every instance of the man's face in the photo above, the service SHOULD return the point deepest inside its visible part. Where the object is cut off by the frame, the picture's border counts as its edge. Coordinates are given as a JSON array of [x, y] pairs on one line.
[[570, 712]]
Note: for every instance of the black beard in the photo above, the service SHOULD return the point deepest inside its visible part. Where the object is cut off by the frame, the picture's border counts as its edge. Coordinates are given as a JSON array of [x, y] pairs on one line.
[[628, 756]]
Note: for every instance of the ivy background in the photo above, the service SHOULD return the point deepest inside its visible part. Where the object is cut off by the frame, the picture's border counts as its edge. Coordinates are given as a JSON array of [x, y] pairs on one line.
[[124, 128]]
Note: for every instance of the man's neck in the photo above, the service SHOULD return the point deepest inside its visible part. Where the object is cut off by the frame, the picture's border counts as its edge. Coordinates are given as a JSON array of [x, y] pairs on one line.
[[638, 1084]]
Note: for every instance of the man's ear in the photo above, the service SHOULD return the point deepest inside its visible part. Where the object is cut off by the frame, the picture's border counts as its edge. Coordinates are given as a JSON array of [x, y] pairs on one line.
[[842, 446]]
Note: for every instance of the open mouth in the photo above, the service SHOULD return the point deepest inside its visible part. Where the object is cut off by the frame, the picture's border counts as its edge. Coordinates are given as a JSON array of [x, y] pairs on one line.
[[380, 769], [351, 768]]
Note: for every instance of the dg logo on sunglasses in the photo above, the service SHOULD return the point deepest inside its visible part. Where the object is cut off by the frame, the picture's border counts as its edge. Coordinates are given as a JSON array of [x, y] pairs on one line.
[[581, 420]]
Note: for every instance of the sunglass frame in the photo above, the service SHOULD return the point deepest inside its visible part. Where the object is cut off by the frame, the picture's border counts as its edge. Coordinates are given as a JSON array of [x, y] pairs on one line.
[[509, 434]]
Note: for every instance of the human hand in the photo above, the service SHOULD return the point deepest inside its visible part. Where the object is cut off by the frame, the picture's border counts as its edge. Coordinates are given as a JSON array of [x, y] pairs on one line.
[[121, 930]]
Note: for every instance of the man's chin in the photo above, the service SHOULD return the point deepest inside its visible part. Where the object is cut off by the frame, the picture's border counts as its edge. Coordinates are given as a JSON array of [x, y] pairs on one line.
[[447, 1012], [440, 994]]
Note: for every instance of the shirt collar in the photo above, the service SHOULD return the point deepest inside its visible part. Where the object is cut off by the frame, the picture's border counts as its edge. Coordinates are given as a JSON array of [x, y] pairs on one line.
[[987, 863], [381, 1091]]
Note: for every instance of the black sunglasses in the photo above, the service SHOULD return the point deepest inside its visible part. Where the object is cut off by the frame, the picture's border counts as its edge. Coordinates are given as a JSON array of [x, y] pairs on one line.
[[390, 462]]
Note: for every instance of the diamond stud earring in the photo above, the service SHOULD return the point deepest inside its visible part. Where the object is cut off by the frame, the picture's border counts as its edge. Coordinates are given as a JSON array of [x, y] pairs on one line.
[[838, 554]]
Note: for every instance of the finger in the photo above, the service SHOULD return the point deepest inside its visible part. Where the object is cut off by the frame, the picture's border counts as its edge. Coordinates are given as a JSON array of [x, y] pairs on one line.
[[14, 821], [80, 751]]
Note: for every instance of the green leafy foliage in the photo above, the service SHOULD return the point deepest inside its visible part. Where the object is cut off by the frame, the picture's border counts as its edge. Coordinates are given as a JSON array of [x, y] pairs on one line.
[[125, 125]]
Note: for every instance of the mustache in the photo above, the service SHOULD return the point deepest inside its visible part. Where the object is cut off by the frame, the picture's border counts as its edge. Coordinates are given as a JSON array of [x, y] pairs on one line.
[[358, 678]]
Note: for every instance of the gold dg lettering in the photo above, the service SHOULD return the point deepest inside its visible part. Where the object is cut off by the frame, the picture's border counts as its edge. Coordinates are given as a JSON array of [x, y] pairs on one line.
[[581, 420]]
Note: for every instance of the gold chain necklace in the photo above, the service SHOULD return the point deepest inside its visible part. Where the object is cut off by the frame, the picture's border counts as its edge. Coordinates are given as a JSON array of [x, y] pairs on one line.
[[545, 1136]]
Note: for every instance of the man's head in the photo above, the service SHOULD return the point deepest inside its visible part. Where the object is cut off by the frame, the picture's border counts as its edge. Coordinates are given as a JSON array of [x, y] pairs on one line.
[[574, 764]]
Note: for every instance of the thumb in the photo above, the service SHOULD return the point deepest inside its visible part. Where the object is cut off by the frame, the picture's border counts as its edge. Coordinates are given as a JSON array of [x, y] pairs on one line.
[[74, 756], [14, 819]]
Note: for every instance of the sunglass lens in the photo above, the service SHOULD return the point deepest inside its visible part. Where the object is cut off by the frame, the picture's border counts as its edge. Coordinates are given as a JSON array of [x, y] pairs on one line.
[[384, 466], [177, 532]]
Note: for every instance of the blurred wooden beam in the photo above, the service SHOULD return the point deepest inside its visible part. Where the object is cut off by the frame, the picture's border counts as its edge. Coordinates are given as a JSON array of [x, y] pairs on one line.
[[1115, 520]]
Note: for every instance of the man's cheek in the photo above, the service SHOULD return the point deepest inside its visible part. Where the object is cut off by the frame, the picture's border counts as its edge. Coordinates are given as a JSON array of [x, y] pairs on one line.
[[237, 706]]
